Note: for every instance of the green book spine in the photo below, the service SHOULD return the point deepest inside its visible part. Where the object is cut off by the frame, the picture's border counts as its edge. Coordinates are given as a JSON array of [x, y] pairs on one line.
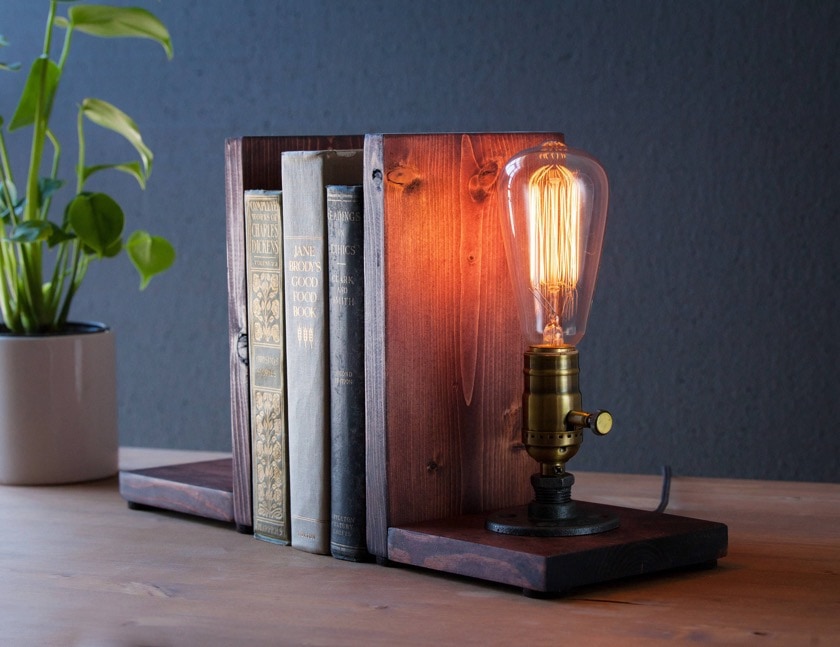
[[345, 244], [305, 175], [266, 358]]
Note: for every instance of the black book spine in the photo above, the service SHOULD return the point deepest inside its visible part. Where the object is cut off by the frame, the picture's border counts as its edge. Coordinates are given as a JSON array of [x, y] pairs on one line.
[[345, 241]]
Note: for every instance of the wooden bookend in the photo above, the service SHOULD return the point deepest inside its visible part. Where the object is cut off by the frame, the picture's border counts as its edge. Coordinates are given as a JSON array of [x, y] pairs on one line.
[[444, 376], [443, 345], [202, 489], [250, 163]]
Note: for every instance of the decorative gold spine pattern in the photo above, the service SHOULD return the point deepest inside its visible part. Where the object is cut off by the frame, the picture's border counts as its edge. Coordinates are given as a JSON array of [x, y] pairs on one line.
[[267, 366]]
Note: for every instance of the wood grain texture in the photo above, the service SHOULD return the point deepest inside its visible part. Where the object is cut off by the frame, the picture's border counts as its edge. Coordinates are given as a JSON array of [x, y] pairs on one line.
[[444, 345], [237, 329], [204, 488], [251, 163], [376, 442], [645, 542], [79, 568]]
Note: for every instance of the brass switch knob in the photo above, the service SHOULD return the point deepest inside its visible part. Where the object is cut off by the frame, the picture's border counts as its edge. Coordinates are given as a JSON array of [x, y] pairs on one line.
[[600, 421]]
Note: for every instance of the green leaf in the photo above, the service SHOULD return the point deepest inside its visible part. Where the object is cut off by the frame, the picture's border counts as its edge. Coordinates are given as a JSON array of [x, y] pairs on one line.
[[8, 192], [33, 231], [47, 186], [42, 69], [120, 22], [59, 236], [114, 248], [109, 116], [132, 168], [150, 255], [97, 220]]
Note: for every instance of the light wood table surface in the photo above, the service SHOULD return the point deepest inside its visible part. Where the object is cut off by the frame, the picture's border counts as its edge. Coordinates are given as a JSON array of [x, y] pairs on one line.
[[78, 567]]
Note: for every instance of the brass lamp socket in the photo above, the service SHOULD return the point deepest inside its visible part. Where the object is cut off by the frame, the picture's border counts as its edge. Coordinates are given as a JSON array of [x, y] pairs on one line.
[[551, 393], [552, 431]]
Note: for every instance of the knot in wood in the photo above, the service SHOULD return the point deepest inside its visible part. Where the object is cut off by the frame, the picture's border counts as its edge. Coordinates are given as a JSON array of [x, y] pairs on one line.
[[405, 177], [482, 183], [242, 348], [376, 176]]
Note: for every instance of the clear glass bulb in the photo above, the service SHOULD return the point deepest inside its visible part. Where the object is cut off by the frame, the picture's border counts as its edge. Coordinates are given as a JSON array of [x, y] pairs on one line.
[[554, 208]]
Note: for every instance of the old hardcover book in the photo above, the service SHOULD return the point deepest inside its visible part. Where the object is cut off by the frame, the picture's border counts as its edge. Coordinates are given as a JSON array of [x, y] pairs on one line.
[[345, 244], [251, 163], [267, 361], [305, 175]]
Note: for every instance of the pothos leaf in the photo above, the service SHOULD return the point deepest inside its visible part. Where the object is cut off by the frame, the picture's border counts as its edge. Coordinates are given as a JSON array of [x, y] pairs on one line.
[[119, 22], [33, 231], [109, 116], [150, 255], [97, 220], [132, 168], [47, 186], [43, 69]]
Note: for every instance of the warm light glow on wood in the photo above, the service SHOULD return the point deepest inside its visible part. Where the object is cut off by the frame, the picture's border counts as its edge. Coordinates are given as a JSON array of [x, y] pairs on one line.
[[554, 201]]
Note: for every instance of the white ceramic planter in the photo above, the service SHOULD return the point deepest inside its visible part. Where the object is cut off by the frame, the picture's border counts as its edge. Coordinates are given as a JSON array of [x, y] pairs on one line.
[[58, 407]]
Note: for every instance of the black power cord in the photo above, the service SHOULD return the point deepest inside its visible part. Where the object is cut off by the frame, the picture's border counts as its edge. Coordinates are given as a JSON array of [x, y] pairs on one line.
[[666, 489]]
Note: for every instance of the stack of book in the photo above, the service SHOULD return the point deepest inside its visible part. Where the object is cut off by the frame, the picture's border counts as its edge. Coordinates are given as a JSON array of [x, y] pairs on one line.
[[304, 316]]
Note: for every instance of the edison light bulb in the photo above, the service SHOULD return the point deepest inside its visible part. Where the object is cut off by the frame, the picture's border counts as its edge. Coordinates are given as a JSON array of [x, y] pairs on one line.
[[555, 206], [554, 211]]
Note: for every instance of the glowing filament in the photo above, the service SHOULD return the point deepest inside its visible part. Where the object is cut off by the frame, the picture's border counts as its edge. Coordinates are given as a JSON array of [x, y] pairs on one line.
[[555, 203]]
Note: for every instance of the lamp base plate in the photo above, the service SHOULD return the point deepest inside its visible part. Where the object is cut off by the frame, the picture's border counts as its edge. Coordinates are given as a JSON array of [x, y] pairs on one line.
[[645, 542], [589, 519]]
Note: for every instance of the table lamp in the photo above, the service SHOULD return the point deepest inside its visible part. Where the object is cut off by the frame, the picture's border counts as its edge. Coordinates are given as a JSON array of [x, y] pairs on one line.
[[554, 207]]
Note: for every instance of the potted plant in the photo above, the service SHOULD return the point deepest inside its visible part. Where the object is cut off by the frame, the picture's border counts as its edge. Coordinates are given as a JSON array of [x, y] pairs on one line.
[[58, 416]]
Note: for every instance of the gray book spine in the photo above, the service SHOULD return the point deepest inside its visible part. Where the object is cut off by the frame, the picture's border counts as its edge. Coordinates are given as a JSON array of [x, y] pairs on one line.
[[305, 175], [345, 245]]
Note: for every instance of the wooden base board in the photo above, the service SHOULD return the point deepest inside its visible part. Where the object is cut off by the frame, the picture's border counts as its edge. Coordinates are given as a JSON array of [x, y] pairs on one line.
[[203, 489], [645, 542]]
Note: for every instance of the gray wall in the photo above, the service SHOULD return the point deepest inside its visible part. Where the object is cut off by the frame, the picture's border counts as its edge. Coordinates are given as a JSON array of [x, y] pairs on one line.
[[714, 335]]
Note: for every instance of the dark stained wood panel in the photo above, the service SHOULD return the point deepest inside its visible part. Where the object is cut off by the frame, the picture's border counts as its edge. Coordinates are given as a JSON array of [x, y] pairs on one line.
[[203, 489], [645, 542], [444, 349]]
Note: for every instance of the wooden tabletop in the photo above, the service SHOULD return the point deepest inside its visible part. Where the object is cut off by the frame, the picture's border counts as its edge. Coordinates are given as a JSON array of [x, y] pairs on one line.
[[77, 567]]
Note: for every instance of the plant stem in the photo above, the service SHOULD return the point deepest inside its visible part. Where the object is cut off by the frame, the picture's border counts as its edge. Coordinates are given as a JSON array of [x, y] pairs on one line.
[[59, 276], [79, 265], [31, 254], [10, 306], [6, 256], [80, 162], [6, 176], [60, 270], [32, 306]]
